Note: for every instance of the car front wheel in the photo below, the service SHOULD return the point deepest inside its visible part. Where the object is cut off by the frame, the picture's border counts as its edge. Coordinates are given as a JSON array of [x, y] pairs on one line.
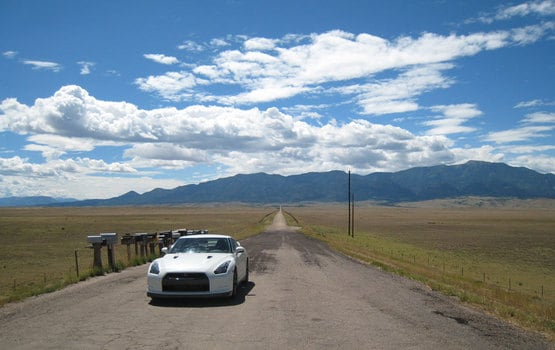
[[246, 280], [234, 290]]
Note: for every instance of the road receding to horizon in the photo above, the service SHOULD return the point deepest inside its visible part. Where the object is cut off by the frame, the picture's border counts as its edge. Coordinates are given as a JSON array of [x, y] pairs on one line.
[[302, 295]]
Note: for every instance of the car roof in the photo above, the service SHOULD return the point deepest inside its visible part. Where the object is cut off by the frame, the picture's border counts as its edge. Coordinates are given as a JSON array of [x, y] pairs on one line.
[[204, 236]]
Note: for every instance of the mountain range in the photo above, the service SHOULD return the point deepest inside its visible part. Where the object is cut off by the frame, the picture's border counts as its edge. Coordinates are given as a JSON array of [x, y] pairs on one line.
[[474, 178]]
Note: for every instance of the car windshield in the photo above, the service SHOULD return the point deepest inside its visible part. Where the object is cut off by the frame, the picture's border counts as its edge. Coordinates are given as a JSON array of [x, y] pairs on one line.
[[201, 245]]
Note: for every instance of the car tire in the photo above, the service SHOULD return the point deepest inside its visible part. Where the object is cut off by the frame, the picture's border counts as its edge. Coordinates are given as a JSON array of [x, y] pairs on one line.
[[234, 290], [246, 280]]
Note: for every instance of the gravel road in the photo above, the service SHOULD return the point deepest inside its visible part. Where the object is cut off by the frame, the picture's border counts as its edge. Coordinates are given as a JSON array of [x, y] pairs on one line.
[[302, 295]]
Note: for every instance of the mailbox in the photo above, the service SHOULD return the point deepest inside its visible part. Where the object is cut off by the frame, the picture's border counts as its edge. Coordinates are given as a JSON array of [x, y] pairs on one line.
[[139, 237], [109, 238], [94, 239], [127, 239], [165, 234]]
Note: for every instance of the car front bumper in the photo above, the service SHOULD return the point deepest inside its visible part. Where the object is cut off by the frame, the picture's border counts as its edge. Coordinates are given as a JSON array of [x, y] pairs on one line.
[[187, 284]]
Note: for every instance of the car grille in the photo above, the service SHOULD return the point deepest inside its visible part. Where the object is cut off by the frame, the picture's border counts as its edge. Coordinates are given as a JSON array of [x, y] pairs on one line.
[[185, 282]]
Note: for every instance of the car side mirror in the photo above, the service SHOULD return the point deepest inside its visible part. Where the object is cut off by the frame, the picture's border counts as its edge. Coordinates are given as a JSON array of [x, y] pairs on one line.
[[239, 250], [164, 250]]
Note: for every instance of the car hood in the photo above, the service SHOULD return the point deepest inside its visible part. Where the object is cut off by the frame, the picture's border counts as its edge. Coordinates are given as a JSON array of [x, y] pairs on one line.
[[193, 261]]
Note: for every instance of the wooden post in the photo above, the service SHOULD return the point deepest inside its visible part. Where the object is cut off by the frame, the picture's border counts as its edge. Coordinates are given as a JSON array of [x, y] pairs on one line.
[[143, 248], [76, 265], [97, 260], [111, 256]]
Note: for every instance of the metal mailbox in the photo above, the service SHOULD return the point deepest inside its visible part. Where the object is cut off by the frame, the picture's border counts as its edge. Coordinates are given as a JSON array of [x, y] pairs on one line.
[[109, 238], [127, 239], [94, 239]]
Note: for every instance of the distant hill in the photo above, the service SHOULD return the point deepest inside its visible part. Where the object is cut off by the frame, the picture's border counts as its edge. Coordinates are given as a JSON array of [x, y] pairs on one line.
[[417, 184], [473, 179], [32, 201]]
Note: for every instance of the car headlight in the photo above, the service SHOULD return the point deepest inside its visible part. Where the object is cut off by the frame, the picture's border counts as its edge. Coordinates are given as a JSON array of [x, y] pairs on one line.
[[154, 268], [222, 268]]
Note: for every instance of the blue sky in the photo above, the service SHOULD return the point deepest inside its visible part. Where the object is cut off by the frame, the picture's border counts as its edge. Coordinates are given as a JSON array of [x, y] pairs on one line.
[[98, 98]]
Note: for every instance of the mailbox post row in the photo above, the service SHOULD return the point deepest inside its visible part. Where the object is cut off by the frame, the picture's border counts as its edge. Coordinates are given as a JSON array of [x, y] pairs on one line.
[[145, 243]]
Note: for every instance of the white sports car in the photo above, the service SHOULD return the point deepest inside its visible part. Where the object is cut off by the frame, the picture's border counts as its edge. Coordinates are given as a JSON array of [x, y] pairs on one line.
[[197, 266]]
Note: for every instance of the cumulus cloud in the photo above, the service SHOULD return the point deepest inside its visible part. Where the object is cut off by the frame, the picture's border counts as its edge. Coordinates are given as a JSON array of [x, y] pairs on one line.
[[239, 139], [160, 58], [260, 44], [172, 86]]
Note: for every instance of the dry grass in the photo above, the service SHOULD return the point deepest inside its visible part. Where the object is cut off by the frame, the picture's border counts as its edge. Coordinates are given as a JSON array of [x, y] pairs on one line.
[[468, 252], [502, 259], [39, 244]]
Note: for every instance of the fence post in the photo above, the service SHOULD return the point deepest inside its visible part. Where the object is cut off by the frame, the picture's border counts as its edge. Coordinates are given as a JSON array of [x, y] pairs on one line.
[[76, 264]]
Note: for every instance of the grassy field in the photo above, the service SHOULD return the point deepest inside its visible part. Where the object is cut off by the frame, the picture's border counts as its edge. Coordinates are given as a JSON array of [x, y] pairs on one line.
[[498, 258], [38, 247], [501, 259]]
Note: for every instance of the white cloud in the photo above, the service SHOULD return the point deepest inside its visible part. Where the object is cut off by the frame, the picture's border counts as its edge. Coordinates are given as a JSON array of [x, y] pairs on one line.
[[190, 45], [540, 117], [485, 153], [162, 59], [218, 42], [273, 69], [452, 119], [79, 186], [538, 7], [172, 86], [43, 65], [211, 135], [540, 163], [541, 8], [9, 54], [260, 44], [86, 67], [531, 103], [398, 95], [519, 134], [534, 125]]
